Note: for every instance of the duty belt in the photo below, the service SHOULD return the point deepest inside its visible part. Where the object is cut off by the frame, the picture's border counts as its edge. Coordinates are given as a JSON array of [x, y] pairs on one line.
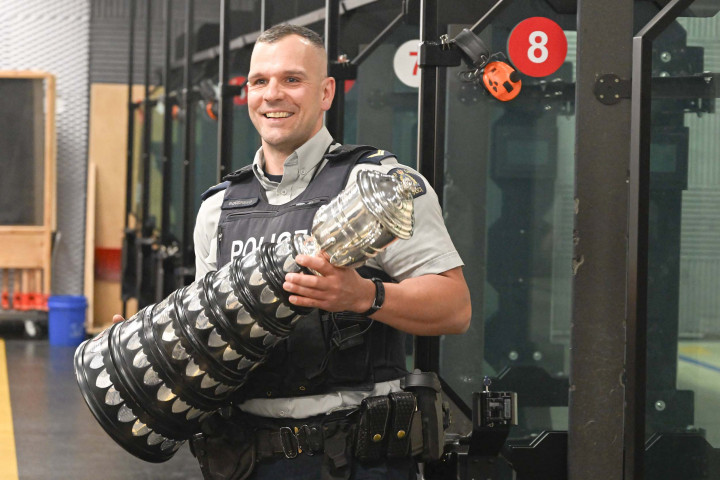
[[383, 426]]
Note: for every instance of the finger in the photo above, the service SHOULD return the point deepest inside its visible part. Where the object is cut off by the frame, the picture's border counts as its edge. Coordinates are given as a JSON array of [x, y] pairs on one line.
[[117, 318], [319, 264], [303, 290]]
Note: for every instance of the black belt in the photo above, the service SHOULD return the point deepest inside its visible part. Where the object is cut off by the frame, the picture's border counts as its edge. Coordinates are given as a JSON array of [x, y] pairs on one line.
[[289, 441], [381, 427]]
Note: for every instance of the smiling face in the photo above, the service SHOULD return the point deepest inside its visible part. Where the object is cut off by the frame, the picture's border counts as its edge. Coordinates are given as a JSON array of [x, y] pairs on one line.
[[288, 92]]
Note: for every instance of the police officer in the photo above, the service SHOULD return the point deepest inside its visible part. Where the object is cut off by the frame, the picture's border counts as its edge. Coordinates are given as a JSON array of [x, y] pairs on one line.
[[352, 347]]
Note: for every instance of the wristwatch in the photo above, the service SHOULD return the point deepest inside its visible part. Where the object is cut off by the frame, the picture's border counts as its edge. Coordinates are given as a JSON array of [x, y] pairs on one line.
[[379, 297]]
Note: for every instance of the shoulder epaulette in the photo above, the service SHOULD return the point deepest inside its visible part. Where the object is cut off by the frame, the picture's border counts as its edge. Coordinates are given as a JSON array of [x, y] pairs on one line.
[[239, 174], [213, 190], [363, 153]]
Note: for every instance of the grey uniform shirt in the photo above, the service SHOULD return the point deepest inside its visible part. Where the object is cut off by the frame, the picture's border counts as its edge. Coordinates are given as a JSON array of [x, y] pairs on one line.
[[429, 251]]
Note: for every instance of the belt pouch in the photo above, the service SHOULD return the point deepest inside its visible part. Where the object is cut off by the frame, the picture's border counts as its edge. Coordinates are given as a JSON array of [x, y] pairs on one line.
[[402, 406], [374, 417]]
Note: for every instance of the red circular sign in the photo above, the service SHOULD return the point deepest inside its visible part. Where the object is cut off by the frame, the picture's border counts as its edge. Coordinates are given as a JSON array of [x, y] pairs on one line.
[[537, 46]]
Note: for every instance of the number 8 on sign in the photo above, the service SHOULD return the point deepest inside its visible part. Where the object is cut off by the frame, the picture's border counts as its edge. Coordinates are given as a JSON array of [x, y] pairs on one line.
[[537, 46]]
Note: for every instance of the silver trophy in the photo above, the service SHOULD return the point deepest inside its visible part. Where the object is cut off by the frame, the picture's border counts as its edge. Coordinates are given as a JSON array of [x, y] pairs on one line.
[[150, 380]]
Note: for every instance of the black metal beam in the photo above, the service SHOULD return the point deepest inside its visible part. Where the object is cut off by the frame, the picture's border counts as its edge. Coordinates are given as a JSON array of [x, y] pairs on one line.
[[638, 236], [167, 179], [597, 343], [189, 137], [225, 105], [131, 117], [147, 125], [379, 39], [427, 349], [334, 116]]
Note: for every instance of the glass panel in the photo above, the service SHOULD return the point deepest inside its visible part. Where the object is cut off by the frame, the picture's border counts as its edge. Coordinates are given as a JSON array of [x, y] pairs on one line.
[[156, 162], [22, 151], [508, 204], [683, 380], [381, 110], [175, 229], [137, 173], [206, 151]]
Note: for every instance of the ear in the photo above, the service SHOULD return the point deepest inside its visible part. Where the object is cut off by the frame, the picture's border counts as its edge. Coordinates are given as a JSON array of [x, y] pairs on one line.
[[328, 93]]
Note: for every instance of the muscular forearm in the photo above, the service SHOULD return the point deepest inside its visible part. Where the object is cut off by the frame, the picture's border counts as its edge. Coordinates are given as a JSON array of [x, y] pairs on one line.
[[433, 304], [427, 305]]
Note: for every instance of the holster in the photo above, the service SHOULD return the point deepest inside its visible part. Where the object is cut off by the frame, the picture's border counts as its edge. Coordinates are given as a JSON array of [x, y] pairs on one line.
[[224, 450]]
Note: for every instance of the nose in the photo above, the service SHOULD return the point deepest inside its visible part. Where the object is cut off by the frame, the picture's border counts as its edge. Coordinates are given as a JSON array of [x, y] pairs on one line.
[[273, 91]]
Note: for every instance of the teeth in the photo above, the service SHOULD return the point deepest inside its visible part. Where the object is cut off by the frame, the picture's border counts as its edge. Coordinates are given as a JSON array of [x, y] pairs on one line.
[[96, 362], [256, 278], [231, 302], [103, 380], [179, 352], [215, 340], [243, 317], [230, 354], [164, 394], [257, 331], [222, 389], [193, 413], [202, 322], [125, 414], [139, 429], [151, 377], [112, 397], [155, 438], [283, 311], [134, 342], [208, 382], [140, 360], [267, 296], [179, 406], [192, 369], [278, 114], [169, 333]]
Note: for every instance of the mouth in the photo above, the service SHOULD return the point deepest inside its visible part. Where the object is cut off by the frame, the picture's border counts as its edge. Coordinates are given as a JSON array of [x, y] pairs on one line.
[[277, 114]]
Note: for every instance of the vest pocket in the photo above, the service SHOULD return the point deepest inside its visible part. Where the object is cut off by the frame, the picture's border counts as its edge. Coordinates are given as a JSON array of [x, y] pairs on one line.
[[350, 344]]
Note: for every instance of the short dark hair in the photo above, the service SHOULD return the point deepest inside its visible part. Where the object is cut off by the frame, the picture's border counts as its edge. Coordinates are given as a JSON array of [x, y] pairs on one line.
[[278, 32]]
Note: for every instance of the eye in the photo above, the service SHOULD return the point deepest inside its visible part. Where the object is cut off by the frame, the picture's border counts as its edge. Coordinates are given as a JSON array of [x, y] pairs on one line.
[[293, 79]]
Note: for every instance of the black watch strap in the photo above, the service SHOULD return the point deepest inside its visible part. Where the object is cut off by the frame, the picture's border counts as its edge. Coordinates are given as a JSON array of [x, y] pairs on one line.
[[379, 297]]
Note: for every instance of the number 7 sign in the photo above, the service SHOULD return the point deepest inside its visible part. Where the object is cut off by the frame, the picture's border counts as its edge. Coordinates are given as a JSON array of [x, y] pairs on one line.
[[537, 46], [405, 63]]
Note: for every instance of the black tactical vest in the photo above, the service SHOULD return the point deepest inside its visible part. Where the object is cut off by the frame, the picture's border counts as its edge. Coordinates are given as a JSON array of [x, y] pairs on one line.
[[325, 351]]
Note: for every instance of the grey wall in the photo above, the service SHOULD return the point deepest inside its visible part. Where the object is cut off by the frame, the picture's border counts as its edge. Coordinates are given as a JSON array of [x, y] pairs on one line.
[[54, 37]]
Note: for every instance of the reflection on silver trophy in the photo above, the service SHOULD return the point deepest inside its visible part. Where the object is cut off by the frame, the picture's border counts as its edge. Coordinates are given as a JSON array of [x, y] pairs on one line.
[[150, 380]]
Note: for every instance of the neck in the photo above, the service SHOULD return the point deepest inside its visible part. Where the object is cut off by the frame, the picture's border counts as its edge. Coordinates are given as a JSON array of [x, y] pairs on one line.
[[274, 160]]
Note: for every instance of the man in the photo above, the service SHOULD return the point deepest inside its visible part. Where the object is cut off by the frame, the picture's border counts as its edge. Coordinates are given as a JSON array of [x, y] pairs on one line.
[[320, 374]]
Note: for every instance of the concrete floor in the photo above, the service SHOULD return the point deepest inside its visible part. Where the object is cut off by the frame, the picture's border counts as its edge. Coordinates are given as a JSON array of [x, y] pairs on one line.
[[56, 436]]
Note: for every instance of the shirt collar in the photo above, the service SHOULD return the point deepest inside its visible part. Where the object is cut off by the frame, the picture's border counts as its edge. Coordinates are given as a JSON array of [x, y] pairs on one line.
[[300, 163]]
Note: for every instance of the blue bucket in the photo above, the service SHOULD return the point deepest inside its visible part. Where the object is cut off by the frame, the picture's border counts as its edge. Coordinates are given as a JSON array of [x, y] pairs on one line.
[[66, 320]]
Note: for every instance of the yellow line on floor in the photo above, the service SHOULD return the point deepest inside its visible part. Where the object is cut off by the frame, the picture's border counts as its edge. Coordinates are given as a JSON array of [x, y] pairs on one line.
[[8, 460]]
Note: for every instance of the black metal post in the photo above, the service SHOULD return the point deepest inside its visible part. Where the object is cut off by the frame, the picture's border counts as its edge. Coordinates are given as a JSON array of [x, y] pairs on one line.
[[130, 144], [147, 126], [427, 349], [334, 116], [602, 150], [638, 237], [131, 116], [225, 105], [188, 140], [263, 27], [167, 130]]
